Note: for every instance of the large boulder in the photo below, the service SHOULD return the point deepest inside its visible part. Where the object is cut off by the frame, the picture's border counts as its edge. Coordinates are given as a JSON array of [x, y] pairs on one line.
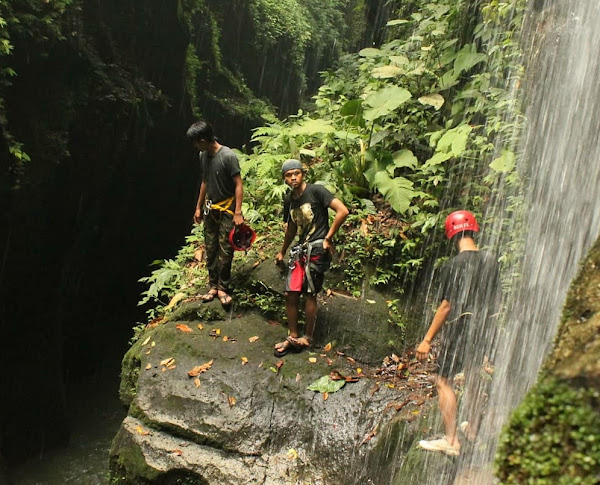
[[248, 417]]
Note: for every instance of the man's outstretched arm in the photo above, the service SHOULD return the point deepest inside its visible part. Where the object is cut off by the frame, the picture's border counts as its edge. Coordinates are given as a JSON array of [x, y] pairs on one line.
[[439, 318]]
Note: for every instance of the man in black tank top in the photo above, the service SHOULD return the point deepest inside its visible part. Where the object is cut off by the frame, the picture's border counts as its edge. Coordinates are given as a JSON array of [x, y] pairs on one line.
[[468, 295]]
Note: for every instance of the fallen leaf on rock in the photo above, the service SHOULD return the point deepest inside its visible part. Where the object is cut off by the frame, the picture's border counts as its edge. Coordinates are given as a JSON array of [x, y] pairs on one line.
[[171, 367], [225, 338], [164, 369], [231, 400], [298, 378], [148, 353], [395, 358], [176, 299], [256, 263], [146, 341], [200, 326], [328, 293], [215, 332], [156, 322], [329, 361], [141, 431], [326, 384], [390, 385], [244, 360], [279, 364], [359, 370], [253, 339], [375, 388], [149, 366], [183, 327], [325, 396], [351, 360], [177, 452], [197, 382], [369, 436], [312, 360], [336, 375], [292, 454], [153, 344], [372, 302], [260, 365], [327, 348], [167, 362], [200, 369]]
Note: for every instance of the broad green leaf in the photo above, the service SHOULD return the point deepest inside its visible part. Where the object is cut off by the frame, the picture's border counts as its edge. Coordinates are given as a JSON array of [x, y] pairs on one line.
[[437, 159], [312, 127], [435, 100], [306, 151], [396, 22], [376, 165], [455, 140], [370, 52], [379, 136], [405, 158], [352, 108], [385, 101], [385, 72], [466, 58], [326, 384], [399, 60], [397, 191], [448, 80], [504, 163], [345, 135]]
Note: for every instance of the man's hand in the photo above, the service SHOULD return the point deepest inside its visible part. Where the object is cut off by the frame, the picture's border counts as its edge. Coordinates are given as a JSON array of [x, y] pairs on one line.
[[238, 219], [198, 216], [423, 350], [279, 258], [328, 246]]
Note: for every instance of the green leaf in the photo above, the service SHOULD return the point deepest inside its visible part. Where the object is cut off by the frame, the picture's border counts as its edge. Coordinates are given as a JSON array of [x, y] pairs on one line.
[[437, 159], [405, 158], [376, 166], [397, 191], [504, 163], [399, 60], [352, 108], [454, 140], [448, 80], [385, 72], [312, 127], [370, 52], [385, 101], [435, 100], [326, 384], [397, 22], [466, 58]]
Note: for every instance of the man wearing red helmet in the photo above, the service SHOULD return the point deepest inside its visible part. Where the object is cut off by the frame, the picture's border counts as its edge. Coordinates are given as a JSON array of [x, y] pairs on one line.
[[468, 289]]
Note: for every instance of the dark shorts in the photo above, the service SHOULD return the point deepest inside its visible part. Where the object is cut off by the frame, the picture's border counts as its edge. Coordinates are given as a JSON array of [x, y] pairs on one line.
[[297, 279], [455, 354]]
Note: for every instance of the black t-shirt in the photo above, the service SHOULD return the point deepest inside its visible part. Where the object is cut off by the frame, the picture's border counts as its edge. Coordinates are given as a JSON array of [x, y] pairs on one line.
[[309, 212], [218, 171], [470, 282]]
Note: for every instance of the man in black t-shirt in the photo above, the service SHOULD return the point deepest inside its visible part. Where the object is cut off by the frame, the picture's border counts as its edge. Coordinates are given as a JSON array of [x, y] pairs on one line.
[[219, 206], [468, 295], [305, 210]]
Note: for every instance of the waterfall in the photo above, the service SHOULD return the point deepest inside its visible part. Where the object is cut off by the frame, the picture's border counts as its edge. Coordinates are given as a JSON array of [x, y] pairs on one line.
[[560, 168]]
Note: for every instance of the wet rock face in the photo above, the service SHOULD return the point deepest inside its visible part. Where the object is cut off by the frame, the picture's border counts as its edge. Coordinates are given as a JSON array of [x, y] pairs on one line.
[[248, 417]]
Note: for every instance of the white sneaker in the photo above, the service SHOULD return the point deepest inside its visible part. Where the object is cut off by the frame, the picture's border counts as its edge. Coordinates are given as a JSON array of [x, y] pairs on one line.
[[439, 445]]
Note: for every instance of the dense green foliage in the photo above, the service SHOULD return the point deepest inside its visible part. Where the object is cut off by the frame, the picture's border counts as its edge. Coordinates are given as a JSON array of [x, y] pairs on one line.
[[552, 438], [402, 133]]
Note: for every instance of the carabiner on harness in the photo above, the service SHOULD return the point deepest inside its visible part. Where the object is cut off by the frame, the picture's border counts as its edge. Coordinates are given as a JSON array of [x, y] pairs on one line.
[[207, 206]]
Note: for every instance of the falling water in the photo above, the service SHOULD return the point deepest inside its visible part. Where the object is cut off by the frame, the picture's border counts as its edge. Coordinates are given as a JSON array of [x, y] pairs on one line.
[[560, 153]]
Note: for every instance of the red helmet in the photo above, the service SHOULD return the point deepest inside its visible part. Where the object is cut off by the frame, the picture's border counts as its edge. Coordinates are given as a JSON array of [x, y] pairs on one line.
[[241, 237], [460, 221]]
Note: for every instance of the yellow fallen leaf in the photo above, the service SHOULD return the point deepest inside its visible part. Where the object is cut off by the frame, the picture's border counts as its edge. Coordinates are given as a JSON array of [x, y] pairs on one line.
[[312, 360], [231, 401], [148, 353], [146, 341], [171, 367], [149, 366], [167, 362], [359, 370], [225, 338], [200, 369], [253, 339], [197, 382], [298, 378], [244, 360], [327, 348], [372, 302], [142, 431], [325, 396], [200, 326], [391, 386], [183, 327], [153, 344], [292, 454], [176, 299]]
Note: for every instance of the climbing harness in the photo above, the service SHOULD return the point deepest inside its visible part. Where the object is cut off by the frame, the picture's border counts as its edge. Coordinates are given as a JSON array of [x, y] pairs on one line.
[[222, 206], [301, 254]]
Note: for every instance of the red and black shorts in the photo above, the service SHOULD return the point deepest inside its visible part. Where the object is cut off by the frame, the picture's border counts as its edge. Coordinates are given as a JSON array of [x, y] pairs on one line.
[[297, 279]]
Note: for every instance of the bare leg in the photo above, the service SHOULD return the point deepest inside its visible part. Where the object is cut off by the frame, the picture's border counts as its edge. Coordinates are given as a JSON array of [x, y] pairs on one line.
[[447, 400], [292, 299], [310, 311]]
